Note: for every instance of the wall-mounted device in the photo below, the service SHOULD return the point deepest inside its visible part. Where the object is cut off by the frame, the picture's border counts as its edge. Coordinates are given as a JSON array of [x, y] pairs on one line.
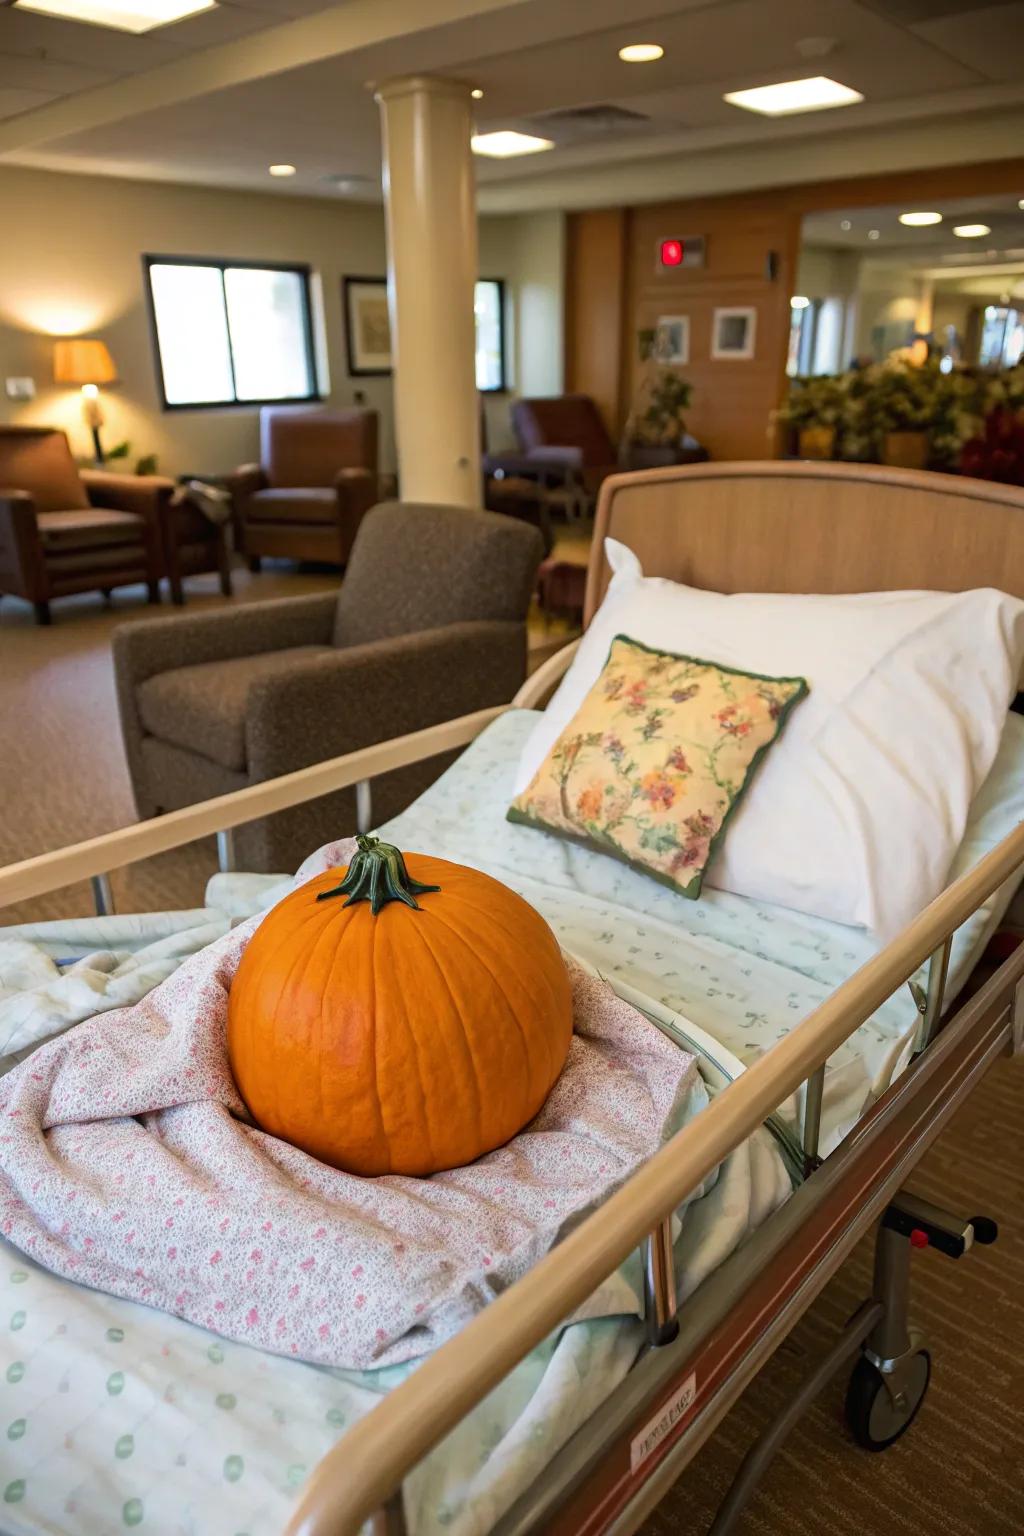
[[21, 389], [680, 251]]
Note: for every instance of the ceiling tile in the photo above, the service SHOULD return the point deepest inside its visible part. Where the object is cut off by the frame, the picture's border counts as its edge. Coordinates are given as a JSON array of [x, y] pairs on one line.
[[13, 101], [35, 74], [710, 51], [221, 25], [71, 42], [989, 40]]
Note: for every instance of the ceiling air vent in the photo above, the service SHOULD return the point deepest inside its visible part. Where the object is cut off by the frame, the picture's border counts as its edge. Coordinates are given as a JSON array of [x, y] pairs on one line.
[[602, 117]]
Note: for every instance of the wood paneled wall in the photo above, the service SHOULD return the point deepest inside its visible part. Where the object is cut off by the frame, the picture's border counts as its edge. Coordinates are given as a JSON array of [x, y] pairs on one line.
[[732, 399], [614, 289], [595, 289]]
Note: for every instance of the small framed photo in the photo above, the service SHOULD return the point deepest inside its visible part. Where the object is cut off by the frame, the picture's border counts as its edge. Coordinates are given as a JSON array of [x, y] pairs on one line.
[[733, 333], [672, 339], [367, 325]]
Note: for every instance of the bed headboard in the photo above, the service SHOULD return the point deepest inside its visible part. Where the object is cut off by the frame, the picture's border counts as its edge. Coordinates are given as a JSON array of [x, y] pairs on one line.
[[802, 527]]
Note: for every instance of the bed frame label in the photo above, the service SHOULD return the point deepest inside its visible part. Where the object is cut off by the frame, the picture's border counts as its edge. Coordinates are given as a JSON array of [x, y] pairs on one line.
[[654, 1431]]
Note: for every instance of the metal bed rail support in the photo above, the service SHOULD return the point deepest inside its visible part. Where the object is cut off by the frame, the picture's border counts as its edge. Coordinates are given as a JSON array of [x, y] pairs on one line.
[[102, 895], [761, 1453], [1017, 1021], [814, 1092], [938, 969], [660, 1303], [364, 805], [226, 860]]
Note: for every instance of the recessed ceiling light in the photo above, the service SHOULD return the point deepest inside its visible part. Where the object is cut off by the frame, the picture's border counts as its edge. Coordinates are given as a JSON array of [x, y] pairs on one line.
[[845, 225], [919, 220], [505, 143], [641, 53], [799, 301], [124, 15], [874, 234], [811, 95], [281, 170], [971, 231], [477, 94]]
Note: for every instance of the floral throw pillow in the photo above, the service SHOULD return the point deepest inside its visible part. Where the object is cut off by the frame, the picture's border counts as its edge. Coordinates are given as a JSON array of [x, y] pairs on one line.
[[656, 759]]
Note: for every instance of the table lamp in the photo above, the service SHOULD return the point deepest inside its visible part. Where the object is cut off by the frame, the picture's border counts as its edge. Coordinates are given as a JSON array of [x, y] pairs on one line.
[[85, 361]]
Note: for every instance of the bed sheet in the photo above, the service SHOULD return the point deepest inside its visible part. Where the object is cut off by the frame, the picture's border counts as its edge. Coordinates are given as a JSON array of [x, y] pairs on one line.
[[120, 1417], [116, 1416], [743, 971]]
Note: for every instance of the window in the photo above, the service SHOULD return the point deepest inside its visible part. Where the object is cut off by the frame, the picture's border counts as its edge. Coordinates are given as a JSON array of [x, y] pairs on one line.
[[1002, 337], [489, 304], [231, 333]]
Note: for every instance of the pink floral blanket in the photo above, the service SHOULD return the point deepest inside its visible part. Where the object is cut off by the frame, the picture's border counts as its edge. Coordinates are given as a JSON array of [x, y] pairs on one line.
[[128, 1163]]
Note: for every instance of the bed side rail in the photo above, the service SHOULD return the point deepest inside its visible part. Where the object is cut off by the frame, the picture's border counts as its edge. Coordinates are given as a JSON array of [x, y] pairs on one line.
[[360, 1478], [97, 856]]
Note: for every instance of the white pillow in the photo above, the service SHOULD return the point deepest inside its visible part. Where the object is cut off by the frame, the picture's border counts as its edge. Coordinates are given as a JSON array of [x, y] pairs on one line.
[[856, 813]]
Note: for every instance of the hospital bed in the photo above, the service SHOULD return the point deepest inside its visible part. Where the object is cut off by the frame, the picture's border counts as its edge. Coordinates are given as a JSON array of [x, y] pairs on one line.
[[739, 527]]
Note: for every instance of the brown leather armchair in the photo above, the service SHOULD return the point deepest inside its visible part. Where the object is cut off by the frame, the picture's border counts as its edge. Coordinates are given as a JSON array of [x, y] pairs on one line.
[[63, 530], [316, 480]]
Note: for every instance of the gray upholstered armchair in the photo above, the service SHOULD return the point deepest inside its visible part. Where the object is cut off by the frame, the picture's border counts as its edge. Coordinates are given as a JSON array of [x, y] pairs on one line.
[[430, 623]]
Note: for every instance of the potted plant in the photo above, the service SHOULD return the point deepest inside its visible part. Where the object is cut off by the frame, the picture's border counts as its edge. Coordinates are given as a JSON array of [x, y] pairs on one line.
[[656, 428], [814, 407], [905, 407]]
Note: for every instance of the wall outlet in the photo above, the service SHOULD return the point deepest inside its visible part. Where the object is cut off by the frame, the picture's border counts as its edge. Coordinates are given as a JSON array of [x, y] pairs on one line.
[[21, 389]]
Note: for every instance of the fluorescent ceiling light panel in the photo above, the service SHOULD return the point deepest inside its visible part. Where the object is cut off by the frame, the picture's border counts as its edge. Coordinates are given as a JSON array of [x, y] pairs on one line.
[[505, 143], [123, 15], [281, 170], [919, 220], [812, 95], [971, 231]]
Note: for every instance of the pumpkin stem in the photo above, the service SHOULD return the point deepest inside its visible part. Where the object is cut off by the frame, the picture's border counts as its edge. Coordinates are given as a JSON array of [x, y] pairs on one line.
[[378, 874]]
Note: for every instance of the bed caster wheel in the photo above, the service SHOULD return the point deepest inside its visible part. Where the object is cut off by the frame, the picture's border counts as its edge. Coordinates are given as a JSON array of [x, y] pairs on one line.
[[874, 1417]]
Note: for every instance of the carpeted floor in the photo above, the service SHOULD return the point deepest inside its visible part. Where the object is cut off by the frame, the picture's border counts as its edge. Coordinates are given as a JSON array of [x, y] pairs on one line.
[[959, 1470], [60, 731]]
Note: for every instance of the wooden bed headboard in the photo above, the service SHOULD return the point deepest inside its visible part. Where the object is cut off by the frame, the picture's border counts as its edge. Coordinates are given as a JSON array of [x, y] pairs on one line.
[[784, 526]]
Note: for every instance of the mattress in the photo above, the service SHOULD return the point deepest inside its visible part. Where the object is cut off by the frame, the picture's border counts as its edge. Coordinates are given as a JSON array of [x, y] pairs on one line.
[[119, 1417]]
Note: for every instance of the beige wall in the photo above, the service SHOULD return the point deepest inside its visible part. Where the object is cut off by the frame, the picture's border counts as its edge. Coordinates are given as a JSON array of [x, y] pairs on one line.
[[70, 263], [528, 251]]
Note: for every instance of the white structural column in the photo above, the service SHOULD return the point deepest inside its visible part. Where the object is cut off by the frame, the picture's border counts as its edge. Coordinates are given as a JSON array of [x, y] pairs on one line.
[[432, 268]]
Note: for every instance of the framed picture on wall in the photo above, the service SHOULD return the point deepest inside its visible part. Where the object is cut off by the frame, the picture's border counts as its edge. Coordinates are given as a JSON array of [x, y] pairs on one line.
[[672, 339], [733, 333], [367, 325]]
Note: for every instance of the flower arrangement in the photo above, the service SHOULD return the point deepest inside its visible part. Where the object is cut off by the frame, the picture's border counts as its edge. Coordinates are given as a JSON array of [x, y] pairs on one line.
[[997, 453], [865, 405]]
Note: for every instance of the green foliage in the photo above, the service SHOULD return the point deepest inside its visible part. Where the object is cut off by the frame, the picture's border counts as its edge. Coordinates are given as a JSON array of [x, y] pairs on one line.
[[661, 398], [864, 404], [146, 465]]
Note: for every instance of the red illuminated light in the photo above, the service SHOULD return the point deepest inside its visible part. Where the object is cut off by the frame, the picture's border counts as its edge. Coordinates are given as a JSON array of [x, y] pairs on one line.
[[671, 253]]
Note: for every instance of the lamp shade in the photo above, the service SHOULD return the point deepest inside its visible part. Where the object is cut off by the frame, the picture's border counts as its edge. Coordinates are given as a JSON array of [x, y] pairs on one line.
[[83, 360]]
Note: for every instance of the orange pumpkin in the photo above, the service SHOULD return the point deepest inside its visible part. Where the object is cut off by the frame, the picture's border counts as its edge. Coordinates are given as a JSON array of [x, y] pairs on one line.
[[387, 1034]]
